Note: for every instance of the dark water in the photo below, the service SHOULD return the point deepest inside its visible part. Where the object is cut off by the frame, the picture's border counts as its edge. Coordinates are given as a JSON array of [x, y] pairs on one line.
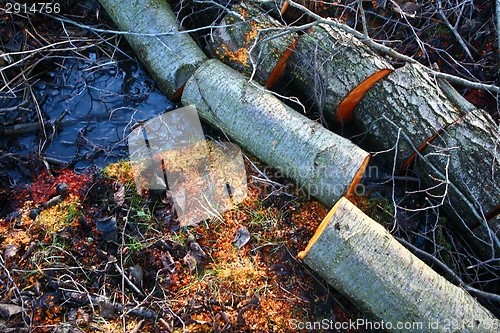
[[102, 99]]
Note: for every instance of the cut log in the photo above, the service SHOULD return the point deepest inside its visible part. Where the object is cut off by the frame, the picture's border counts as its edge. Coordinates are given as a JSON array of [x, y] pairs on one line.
[[458, 158], [253, 43], [326, 164], [463, 162], [156, 37], [329, 64], [359, 258], [407, 100]]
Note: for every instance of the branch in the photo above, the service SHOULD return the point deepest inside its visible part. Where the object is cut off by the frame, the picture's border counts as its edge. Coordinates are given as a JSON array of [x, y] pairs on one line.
[[453, 277], [497, 12], [454, 31], [396, 55]]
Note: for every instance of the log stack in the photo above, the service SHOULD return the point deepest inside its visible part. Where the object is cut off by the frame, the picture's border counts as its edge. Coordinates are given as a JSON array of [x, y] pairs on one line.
[[327, 165], [451, 145]]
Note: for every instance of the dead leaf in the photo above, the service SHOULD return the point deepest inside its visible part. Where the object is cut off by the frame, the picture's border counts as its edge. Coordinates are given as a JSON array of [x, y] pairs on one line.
[[241, 237], [168, 262], [9, 251], [136, 275], [190, 261], [137, 327], [119, 196]]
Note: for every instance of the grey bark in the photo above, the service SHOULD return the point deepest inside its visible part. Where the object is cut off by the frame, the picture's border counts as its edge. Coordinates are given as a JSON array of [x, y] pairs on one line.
[[362, 260], [406, 100], [154, 33], [328, 64], [321, 161], [463, 163]]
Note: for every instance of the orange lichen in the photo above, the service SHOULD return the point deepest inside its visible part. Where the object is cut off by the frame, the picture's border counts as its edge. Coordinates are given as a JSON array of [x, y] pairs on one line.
[[121, 172], [240, 56]]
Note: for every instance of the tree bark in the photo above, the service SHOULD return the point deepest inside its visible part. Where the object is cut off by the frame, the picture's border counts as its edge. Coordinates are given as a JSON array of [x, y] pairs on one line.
[[152, 30], [403, 111], [328, 64], [362, 260], [463, 163], [327, 165], [457, 158], [406, 112], [252, 43]]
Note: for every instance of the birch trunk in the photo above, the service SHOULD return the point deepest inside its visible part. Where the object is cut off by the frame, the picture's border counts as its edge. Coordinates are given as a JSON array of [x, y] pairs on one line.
[[253, 43], [358, 257], [328, 64], [327, 165], [170, 55], [463, 163], [403, 111]]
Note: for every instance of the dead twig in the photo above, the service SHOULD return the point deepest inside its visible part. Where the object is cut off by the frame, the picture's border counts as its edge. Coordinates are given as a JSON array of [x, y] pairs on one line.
[[452, 276], [454, 31], [395, 54]]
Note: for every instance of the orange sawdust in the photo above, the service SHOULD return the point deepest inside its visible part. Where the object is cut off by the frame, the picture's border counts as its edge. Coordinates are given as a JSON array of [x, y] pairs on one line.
[[239, 56], [242, 277], [44, 186], [235, 286], [62, 214]]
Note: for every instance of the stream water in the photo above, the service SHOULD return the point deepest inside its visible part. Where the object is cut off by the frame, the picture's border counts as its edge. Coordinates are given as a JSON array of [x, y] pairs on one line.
[[102, 99]]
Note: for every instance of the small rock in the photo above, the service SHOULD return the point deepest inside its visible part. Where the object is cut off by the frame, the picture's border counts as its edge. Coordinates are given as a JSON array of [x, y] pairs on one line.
[[136, 275], [241, 237], [62, 189], [34, 212], [8, 310], [9, 251], [108, 228]]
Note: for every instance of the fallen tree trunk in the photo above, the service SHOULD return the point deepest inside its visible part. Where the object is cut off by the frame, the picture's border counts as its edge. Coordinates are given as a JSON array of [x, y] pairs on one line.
[[407, 100], [327, 165], [253, 43], [462, 164], [408, 113], [362, 260], [271, 130], [327, 63], [152, 30]]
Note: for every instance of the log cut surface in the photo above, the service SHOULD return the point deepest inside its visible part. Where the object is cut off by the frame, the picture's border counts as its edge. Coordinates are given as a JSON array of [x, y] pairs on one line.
[[329, 63], [407, 100]]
